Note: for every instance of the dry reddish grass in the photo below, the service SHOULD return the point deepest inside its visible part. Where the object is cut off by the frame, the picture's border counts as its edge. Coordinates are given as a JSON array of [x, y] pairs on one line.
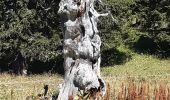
[[136, 91], [143, 91], [131, 90]]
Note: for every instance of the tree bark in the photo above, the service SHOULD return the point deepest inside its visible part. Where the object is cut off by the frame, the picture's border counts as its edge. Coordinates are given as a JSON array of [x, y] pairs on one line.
[[81, 48]]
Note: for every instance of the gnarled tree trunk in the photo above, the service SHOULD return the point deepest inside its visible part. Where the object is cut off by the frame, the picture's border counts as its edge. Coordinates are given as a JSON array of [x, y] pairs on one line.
[[81, 48]]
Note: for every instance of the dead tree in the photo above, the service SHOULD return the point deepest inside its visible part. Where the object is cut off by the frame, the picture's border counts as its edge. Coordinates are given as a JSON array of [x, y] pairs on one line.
[[81, 48]]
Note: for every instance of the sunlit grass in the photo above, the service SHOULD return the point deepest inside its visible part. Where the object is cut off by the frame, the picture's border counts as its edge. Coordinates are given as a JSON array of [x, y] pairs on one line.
[[19, 87], [140, 68], [140, 65]]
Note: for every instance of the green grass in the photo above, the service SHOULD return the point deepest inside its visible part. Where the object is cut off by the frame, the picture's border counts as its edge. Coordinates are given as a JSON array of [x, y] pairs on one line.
[[146, 66], [140, 65]]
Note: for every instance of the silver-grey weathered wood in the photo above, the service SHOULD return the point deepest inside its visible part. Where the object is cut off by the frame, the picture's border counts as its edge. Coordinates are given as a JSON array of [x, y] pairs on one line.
[[81, 48]]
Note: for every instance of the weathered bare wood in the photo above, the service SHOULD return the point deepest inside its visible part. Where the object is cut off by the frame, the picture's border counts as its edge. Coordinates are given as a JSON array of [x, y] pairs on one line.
[[81, 48]]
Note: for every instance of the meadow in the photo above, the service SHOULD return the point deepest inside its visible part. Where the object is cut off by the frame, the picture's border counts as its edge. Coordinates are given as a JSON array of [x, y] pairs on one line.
[[32, 32], [144, 77]]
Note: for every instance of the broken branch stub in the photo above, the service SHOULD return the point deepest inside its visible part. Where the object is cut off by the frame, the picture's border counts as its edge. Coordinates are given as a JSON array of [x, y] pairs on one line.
[[81, 48]]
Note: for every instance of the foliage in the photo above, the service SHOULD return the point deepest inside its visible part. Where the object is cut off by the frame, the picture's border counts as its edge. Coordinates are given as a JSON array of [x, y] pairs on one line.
[[32, 28], [29, 28], [153, 18], [142, 25]]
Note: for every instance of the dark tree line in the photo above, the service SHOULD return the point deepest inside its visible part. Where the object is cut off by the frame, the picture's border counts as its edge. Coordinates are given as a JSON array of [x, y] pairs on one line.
[[141, 25], [29, 32], [30, 35]]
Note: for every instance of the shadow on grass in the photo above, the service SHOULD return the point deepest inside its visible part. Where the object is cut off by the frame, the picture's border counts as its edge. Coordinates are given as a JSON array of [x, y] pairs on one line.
[[53, 66], [109, 57], [147, 45], [114, 57]]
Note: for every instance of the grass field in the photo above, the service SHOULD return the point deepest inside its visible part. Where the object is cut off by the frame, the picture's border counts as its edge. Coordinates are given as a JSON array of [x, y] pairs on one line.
[[19, 87], [145, 66], [141, 69], [142, 72]]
